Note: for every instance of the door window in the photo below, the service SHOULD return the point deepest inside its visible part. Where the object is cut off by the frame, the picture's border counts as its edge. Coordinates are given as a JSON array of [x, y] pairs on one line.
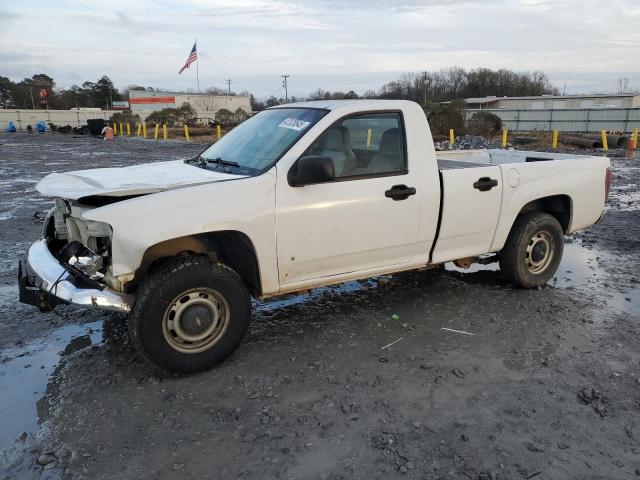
[[364, 145]]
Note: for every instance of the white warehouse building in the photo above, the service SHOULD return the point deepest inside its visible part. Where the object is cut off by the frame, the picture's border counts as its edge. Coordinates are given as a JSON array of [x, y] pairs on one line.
[[557, 102], [566, 113], [143, 103]]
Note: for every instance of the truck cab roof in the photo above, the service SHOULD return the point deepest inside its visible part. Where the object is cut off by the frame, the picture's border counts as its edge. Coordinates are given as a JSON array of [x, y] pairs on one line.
[[363, 104]]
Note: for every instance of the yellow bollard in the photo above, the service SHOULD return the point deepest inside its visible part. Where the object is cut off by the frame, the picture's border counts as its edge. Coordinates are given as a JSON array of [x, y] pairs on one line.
[[115, 128], [634, 138], [138, 130], [155, 134], [368, 137], [504, 138], [128, 130], [554, 141], [144, 130], [605, 145], [164, 131], [186, 132], [452, 137], [218, 132], [121, 128]]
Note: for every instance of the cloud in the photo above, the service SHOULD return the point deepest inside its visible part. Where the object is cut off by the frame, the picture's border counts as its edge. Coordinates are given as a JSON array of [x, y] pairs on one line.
[[340, 44]]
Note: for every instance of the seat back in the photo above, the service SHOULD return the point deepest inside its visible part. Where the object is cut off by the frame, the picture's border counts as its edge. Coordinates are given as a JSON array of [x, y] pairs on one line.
[[390, 156], [337, 145]]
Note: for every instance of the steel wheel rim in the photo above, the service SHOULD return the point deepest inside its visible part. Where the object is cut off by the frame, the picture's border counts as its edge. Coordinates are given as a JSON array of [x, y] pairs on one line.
[[196, 320], [539, 252]]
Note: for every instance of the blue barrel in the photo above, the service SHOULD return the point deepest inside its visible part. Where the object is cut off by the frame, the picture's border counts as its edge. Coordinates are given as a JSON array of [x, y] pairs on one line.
[[10, 128], [41, 127]]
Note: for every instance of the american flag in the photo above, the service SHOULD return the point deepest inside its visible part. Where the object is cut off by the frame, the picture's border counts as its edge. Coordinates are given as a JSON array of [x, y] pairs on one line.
[[193, 56]]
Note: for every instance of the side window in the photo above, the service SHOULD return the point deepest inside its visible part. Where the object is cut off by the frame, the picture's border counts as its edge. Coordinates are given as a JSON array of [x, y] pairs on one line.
[[369, 144]]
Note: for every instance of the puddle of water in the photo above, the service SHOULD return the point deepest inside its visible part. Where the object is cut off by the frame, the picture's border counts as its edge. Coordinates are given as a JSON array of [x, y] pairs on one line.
[[626, 302], [25, 372], [580, 266]]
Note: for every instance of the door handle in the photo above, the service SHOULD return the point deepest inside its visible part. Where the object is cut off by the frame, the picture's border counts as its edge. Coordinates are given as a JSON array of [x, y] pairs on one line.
[[485, 184], [400, 192]]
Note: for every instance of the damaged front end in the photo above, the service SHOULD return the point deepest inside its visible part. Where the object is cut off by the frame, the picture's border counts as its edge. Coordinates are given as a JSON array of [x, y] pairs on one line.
[[71, 263]]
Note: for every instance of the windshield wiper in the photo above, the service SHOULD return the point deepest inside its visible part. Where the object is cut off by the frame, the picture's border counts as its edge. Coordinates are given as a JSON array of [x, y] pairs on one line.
[[224, 163]]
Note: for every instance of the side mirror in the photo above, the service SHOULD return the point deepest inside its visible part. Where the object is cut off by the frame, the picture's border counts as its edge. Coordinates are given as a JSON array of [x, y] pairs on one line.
[[311, 169]]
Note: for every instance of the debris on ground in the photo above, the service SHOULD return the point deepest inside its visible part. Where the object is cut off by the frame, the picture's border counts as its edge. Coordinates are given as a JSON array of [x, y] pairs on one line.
[[594, 398], [467, 142]]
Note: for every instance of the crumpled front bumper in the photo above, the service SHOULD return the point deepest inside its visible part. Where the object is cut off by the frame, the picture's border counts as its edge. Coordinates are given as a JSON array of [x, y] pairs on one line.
[[44, 282]]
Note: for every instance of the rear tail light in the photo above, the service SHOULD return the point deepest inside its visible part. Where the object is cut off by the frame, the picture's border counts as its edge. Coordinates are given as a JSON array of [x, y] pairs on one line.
[[608, 178]]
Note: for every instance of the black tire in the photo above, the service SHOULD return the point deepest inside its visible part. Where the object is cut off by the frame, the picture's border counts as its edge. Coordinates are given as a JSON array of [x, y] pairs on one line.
[[163, 293], [86, 131], [523, 260]]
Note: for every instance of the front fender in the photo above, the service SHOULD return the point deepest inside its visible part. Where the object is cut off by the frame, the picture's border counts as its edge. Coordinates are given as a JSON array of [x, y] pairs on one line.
[[246, 205]]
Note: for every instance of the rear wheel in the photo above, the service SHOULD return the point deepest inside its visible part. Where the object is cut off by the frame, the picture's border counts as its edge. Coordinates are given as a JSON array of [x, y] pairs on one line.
[[190, 314], [533, 250]]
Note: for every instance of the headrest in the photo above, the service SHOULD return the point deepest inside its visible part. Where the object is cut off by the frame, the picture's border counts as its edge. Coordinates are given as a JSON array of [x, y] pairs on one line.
[[337, 138], [390, 142]]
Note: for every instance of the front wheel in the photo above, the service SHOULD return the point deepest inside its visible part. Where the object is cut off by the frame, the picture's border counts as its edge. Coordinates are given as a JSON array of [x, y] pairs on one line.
[[533, 250], [190, 314]]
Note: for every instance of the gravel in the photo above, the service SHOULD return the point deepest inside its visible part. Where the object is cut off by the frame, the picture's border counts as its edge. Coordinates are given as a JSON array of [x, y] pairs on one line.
[[547, 387]]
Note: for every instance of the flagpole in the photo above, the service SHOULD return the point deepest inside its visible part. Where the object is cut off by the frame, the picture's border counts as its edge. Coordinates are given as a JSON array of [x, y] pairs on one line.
[[197, 72]]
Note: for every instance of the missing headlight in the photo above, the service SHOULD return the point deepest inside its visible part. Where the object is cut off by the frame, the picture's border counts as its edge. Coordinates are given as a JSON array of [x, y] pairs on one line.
[[83, 259]]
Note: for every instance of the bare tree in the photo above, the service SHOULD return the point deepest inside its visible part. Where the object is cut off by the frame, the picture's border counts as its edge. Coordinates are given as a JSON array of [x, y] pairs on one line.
[[623, 85]]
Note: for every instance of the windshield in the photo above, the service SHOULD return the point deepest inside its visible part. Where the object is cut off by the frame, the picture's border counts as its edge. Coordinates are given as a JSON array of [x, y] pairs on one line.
[[261, 140]]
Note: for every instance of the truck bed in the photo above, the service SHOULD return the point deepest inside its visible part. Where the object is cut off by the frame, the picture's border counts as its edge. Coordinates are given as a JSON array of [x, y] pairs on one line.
[[454, 159], [475, 222]]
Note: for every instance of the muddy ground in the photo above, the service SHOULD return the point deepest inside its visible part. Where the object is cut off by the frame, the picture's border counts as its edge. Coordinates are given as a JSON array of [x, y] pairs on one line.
[[543, 384]]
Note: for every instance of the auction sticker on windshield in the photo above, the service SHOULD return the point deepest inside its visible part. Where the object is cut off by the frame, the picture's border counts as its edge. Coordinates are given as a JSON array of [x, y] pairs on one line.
[[294, 124]]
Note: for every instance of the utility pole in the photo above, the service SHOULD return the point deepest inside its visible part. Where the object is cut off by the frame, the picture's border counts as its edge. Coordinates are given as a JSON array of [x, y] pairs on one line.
[[228, 82], [425, 88], [284, 85]]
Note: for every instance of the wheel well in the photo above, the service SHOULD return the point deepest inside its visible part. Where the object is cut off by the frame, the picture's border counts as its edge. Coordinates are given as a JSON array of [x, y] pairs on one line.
[[230, 247], [559, 206]]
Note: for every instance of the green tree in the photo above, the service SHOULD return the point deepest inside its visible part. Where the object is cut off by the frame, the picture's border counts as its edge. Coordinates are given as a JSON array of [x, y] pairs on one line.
[[446, 116], [225, 117], [485, 124], [6, 91], [125, 117], [271, 102], [174, 117], [104, 93], [240, 115], [256, 105]]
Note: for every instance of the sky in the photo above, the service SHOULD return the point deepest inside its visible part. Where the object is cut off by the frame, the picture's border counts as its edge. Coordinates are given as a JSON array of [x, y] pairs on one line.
[[584, 46]]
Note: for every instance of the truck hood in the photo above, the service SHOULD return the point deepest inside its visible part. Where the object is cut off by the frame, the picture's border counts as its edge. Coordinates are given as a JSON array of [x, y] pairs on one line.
[[127, 181]]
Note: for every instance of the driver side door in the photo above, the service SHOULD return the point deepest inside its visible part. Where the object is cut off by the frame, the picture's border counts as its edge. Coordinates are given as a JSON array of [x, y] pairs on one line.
[[357, 221]]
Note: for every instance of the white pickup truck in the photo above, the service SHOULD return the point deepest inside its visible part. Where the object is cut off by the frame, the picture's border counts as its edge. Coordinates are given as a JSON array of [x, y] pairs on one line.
[[299, 196]]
